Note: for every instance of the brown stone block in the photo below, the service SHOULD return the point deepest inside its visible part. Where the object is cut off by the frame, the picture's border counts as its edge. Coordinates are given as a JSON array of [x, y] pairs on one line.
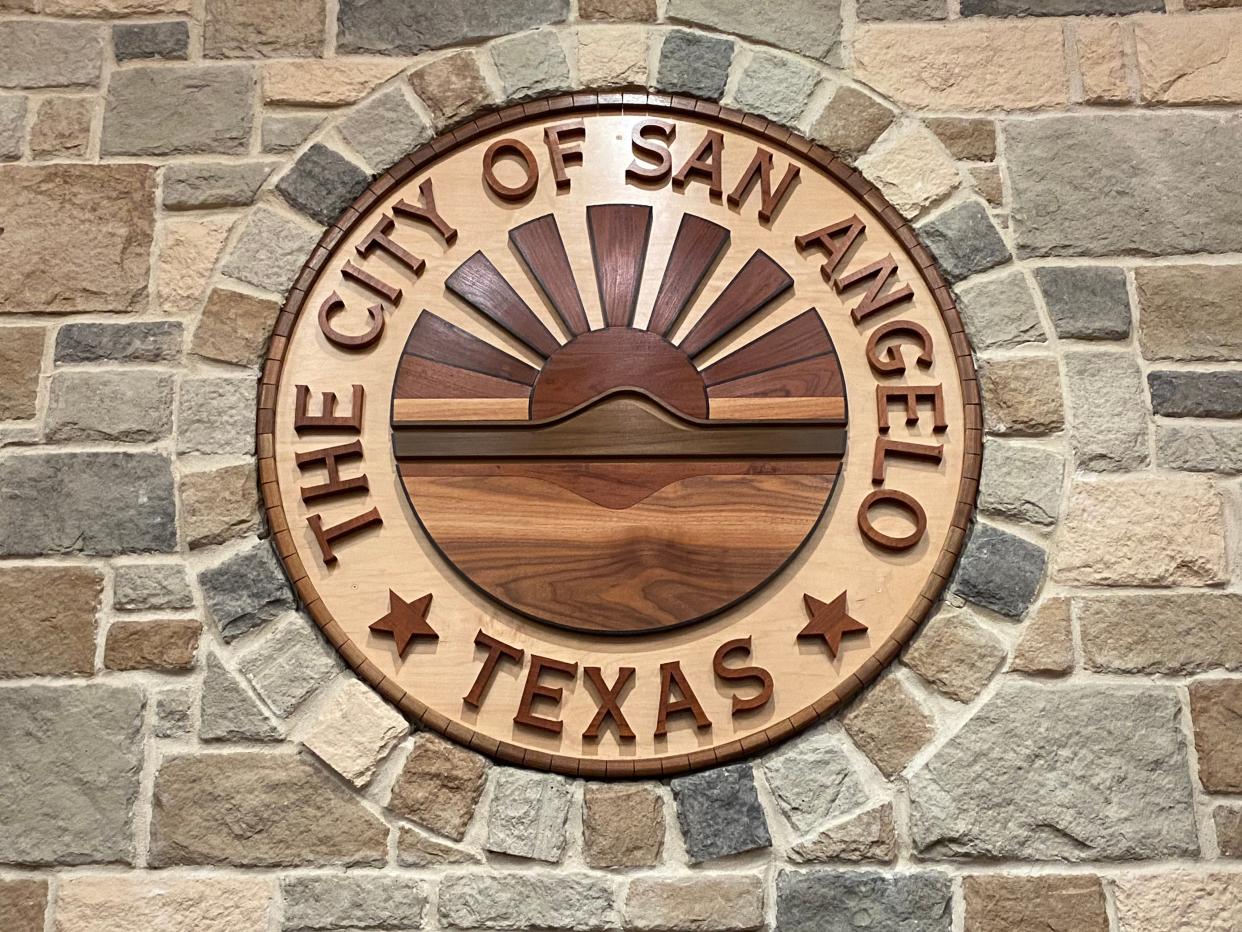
[[271, 29], [164, 646], [623, 825], [21, 361], [22, 904], [47, 620], [1000, 903], [440, 785], [889, 725], [1216, 709]]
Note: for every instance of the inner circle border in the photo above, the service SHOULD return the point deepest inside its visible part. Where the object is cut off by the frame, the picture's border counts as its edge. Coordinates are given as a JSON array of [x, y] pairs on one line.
[[589, 103]]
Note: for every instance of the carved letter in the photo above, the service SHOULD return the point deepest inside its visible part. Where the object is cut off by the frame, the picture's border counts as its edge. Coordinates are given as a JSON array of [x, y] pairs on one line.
[[495, 651], [882, 271], [912, 395], [770, 201], [705, 162], [379, 238], [303, 420], [371, 283], [525, 714], [529, 167], [608, 702], [333, 303], [891, 362], [670, 673], [329, 457], [553, 137], [732, 674], [901, 501], [915, 451], [326, 535], [835, 240], [425, 212], [651, 150]]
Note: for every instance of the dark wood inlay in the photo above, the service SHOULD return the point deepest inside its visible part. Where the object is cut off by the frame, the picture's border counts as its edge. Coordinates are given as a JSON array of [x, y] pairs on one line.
[[539, 244], [801, 338], [760, 281], [434, 338], [418, 377], [816, 377], [619, 234], [477, 282], [698, 245]]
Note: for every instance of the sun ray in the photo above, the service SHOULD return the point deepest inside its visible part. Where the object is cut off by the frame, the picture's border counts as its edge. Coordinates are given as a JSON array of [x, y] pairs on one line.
[[699, 243], [619, 235], [436, 339], [477, 282], [760, 281], [803, 337], [539, 244]]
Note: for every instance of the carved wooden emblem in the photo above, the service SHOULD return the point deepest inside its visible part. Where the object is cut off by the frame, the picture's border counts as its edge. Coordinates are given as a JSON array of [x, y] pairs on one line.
[[619, 434]]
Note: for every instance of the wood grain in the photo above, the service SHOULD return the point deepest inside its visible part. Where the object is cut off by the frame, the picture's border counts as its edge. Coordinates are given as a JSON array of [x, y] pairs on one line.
[[760, 281], [817, 376], [697, 247], [539, 244], [421, 378], [434, 338], [619, 234], [477, 282], [800, 338]]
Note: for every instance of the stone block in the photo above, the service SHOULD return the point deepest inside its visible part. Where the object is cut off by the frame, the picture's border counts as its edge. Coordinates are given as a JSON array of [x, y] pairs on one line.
[[188, 253], [887, 10], [868, 836], [1216, 709], [1021, 482], [531, 64], [216, 415], [258, 809], [1000, 571], [384, 129], [119, 405], [1021, 395], [565, 902], [693, 63], [198, 185], [964, 241], [179, 110], [285, 132], [439, 785], [1178, 901], [719, 813], [889, 725], [1005, 903], [1179, 393], [21, 363], [47, 206], [612, 56], [289, 665], [235, 327], [1189, 312], [953, 67], [911, 168], [62, 127], [1199, 448], [169, 41], [418, 849], [354, 901], [1228, 824], [1168, 192], [145, 902], [272, 29], [842, 901], [173, 714], [1047, 644], [1108, 423], [1189, 60], [113, 8], [47, 620], [452, 87], [245, 590], [850, 122], [399, 27], [12, 127], [331, 83], [219, 504], [1098, 545], [776, 86], [806, 26], [35, 53], [622, 825], [528, 814], [1100, 48], [69, 773], [813, 780], [161, 646], [699, 902], [23, 903], [955, 654], [988, 183], [147, 587], [1058, 7], [621, 11], [99, 504], [270, 251], [1000, 313], [1081, 773], [972, 139], [354, 730], [1085, 302], [227, 712], [141, 341], [322, 183]]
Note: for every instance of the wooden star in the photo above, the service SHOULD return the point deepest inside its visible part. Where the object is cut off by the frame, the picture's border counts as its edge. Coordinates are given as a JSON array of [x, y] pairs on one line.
[[405, 621], [830, 621]]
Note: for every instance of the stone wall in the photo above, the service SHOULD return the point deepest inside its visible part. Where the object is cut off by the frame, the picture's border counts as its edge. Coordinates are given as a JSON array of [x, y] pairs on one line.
[[1060, 748]]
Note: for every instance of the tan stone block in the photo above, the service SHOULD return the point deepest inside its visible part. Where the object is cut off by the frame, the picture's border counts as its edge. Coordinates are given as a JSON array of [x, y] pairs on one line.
[[1228, 823], [1189, 311], [23, 903], [47, 620], [911, 168], [155, 902], [965, 65], [219, 504], [324, 83], [867, 836], [354, 730], [418, 849], [1189, 59], [611, 56], [889, 725], [1216, 710], [988, 183], [1142, 531], [1007, 903], [623, 825], [1047, 644], [955, 654], [113, 7], [188, 252], [152, 645], [850, 122], [1171, 633], [1021, 395], [62, 127], [624, 11], [1101, 61], [439, 786], [21, 363], [77, 238], [966, 138], [452, 87], [235, 327], [271, 29], [1178, 901], [705, 902]]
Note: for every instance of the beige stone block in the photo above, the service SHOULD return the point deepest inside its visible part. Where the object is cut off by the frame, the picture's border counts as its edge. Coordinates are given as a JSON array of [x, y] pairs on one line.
[[988, 182], [868, 836], [889, 725], [21, 361], [1101, 61], [705, 902], [62, 127], [418, 849], [47, 620], [439, 786], [355, 730], [1189, 311], [218, 504], [1179, 901], [1005, 903], [1047, 644], [1142, 531], [235, 327], [324, 83], [623, 825], [1216, 709], [452, 87], [611, 56], [188, 252], [1161, 633], [270, 29], [850, 122], [955, 654], [1189, 59], [164, 646], [156, 902], [965, 65], [113, 7], [1021, 395], [624, 11], [911, 168]]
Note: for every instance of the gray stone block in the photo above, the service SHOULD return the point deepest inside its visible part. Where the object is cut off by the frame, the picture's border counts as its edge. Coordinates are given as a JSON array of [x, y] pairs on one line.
[[1109, 422], [407, 27], [37, 53], [281, 133], [574, 902], [179, 110], [813, 780], [719, 813], [150, 587], [845, 901], [811, 27], [289, 664], [12, 127], [692, 63], [322, 183], [776, 87], [227, 712], [172, 714], [89, 503], [531, 64], [384, 129], [888, 10], [194, 185], [1000, 571], [1179, 393], [964, 241], [352, 901], [216, 416], [1068, 773], [1000, 313], [245, 590], [69, 773], [1021, 483], [270, 251], [527, 815], [1059, 7], [169, 41], [118, 405], [1200, 448], [145, 341], [1086, 303]]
